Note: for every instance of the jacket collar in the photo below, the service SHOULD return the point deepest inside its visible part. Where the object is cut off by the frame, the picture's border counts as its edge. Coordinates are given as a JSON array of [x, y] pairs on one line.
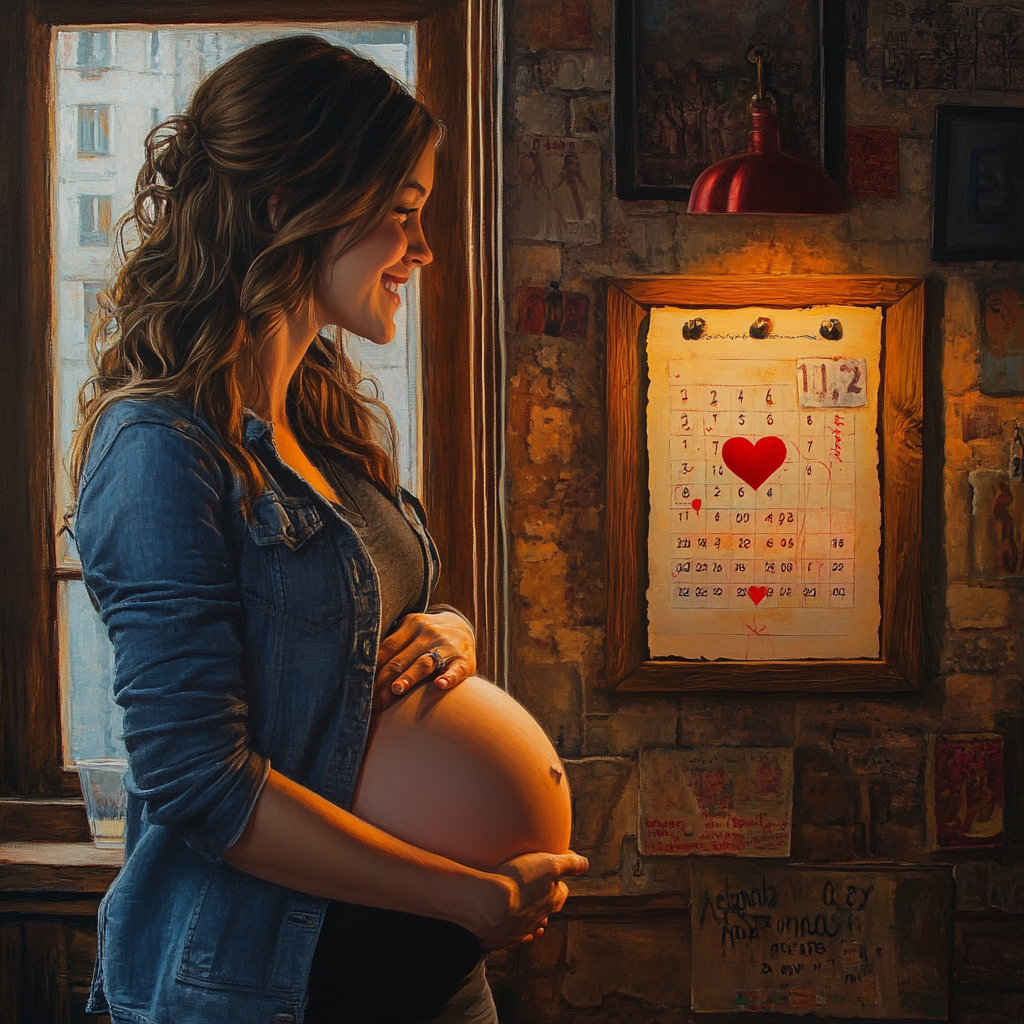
[[255, 428]]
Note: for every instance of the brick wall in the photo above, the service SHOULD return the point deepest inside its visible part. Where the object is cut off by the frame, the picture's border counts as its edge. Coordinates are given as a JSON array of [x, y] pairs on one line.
[[623, 954]]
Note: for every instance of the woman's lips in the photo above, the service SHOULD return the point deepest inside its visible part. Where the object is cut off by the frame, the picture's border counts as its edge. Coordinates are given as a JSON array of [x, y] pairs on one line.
[[391, 286]]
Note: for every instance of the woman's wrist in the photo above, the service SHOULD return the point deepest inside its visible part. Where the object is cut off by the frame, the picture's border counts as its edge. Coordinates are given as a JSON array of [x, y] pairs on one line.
[[438, 609], [482, 901]]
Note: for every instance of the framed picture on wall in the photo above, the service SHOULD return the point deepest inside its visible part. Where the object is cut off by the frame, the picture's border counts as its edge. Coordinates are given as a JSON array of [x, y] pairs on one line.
[[761, 536], [979, 183], [682, 87]]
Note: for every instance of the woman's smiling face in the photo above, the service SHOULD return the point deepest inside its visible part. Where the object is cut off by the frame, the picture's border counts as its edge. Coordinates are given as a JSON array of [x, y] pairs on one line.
[[359, 289]]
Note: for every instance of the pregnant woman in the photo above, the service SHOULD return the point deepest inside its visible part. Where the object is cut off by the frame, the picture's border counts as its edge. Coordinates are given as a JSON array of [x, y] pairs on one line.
[[266, 587]]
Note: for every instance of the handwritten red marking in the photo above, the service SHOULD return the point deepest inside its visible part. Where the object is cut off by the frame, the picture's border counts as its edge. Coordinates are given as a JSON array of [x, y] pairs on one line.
[[754, 463], [696, 504], [757, 594]]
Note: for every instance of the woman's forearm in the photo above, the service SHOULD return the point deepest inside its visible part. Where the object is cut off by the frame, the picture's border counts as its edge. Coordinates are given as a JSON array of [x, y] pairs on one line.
[[300, 840]]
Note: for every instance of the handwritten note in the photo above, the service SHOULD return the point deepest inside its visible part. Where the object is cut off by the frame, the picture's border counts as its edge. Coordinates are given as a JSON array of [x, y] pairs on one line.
[[716, 800], [840, 942]]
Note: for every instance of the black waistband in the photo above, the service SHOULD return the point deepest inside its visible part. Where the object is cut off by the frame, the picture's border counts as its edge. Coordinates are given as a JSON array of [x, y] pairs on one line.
[[386, 965]]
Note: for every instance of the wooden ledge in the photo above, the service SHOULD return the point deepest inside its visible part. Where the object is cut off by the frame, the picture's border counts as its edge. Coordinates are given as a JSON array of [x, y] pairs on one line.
[[57, 867]]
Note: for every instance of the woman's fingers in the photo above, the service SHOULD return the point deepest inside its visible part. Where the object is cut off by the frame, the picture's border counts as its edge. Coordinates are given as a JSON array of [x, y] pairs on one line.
[[426, 665], [439, 645], [571, 864], [562, 894]]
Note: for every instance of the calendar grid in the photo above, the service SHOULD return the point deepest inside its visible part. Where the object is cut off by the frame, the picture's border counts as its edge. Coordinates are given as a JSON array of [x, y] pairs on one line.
[[787, 541]]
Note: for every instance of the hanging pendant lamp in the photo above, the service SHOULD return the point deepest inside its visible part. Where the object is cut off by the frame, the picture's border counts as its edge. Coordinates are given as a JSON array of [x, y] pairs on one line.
[[764, 179]]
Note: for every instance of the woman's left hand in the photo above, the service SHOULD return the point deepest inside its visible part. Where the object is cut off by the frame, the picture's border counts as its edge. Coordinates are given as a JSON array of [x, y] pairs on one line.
[[406, 657]]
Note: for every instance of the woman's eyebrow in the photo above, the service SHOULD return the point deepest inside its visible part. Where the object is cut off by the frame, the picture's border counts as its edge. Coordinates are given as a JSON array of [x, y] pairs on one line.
[[416, 185]]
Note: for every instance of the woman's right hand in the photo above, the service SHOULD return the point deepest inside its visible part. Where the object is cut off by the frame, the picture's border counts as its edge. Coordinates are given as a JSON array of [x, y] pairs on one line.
[[530, 889]]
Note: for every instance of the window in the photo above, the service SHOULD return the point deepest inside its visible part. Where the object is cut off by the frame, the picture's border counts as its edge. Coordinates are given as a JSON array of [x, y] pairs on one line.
[[90, 721], [459, 450], [93, 51], [94, 130], [154, 49], [93, 221]]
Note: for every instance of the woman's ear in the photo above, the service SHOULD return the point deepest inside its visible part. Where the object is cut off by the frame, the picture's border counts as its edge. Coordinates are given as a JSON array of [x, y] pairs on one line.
[[273, 202]]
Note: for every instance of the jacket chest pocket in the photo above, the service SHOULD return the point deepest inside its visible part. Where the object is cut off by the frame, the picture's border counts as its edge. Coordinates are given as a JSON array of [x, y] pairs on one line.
[[289, 567]]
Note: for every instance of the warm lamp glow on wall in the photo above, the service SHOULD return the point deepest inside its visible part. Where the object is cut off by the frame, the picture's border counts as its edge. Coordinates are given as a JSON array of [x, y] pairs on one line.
[[764, 179]]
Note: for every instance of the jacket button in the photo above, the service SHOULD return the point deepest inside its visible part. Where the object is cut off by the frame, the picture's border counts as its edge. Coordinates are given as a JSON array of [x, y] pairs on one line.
[[367, 646]]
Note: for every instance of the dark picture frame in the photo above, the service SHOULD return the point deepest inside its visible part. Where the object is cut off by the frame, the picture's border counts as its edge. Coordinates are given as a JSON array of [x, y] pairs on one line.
[[682, 81], [978, 208]]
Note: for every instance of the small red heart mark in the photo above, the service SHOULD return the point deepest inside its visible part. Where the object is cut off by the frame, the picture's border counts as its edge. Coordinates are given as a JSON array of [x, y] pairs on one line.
[[754, 463], [696, 504], [757, 594]]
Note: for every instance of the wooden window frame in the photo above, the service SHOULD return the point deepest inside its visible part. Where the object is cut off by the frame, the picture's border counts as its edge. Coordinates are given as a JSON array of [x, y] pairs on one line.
[[458, 50], [630, 667]]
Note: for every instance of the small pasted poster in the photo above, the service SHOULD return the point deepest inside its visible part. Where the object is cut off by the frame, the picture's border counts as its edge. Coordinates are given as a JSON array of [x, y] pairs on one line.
[[557, 190], [715, 801], [966, 792], [1002, 337], [765, 504]]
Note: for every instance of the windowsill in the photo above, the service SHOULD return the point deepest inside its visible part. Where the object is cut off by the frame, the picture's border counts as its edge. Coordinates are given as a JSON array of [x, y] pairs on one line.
[[57, 867]]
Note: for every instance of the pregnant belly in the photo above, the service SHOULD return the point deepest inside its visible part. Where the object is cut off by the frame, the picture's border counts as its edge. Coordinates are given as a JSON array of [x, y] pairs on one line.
[[466, 773]]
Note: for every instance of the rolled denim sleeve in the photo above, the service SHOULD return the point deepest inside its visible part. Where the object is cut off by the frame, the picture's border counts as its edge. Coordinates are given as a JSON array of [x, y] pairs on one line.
[[150, 528]]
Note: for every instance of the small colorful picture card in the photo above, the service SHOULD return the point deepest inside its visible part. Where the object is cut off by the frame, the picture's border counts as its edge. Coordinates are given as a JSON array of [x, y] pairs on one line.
[[965, 784]]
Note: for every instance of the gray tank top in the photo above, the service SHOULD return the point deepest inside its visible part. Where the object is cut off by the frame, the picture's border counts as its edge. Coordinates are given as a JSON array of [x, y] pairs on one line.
[[390, 541]]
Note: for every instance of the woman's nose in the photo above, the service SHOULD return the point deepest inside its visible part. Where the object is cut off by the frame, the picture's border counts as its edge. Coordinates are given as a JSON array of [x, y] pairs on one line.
[[418, 254]]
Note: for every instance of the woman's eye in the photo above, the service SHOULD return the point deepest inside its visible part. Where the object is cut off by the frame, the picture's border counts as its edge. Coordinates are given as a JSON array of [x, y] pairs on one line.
[[406, 211]]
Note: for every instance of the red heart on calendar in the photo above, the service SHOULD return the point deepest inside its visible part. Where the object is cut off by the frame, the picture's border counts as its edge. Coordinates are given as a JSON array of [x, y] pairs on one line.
[[757, 594], [754, 463], [696, 504]]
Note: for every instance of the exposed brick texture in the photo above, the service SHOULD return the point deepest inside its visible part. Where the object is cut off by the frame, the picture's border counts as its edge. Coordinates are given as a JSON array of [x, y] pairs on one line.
[[860, 781]]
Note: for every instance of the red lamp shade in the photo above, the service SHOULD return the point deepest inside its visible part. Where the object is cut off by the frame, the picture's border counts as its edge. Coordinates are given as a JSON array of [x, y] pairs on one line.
[[764, 179]]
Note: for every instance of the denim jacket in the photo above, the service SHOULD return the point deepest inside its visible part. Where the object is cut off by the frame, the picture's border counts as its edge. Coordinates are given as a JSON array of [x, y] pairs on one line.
[[238, 645]]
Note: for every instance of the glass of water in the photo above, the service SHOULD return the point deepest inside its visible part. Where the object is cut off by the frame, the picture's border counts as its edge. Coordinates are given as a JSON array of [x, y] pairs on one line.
[[105, 798]]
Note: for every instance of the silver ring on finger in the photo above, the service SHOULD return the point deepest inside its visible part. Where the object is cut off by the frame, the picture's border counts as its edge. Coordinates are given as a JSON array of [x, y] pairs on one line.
[[440, 663]]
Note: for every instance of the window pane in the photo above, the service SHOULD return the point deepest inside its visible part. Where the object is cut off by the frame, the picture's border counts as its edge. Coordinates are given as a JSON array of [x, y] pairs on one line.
[[94, 130], [93, 50], [90, 304], [92, 719], [105, 111], [94, 221]]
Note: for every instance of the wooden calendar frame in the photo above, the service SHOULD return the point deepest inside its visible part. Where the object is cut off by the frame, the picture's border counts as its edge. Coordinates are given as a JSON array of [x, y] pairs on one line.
[[901, 410]]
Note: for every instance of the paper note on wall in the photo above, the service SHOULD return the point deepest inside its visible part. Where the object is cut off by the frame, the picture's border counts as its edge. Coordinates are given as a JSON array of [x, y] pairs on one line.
[[716, 800], [765, 504], [842, 942]]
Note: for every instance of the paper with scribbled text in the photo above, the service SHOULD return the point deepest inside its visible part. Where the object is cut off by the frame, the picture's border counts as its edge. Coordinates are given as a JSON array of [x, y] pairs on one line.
[[834, 941], [714, 801]]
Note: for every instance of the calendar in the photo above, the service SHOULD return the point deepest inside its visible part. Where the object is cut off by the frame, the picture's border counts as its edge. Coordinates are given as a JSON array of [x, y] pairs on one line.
[[765, 505]]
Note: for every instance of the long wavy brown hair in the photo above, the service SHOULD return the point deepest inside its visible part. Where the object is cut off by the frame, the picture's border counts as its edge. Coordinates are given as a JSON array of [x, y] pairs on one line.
[[205, 276]]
